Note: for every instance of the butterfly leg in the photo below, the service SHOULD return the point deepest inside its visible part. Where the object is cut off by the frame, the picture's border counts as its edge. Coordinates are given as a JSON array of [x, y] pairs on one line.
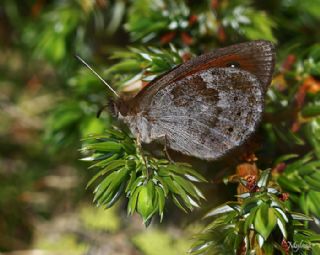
[[138, 142], [165, 149]]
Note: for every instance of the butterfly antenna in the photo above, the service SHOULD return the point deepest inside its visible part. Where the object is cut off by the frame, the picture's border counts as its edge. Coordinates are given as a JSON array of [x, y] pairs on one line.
[[95, 73]]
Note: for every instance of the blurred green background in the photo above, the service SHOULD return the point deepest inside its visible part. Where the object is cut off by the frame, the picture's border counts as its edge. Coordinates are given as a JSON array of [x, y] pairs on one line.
[[48, 102]]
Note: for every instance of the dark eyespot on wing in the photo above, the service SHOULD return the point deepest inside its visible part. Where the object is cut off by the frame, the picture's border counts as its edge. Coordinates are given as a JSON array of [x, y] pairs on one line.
[[233, 64]]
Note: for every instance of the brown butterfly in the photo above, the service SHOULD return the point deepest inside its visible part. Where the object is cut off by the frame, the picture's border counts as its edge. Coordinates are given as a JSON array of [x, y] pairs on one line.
[[207, 106]]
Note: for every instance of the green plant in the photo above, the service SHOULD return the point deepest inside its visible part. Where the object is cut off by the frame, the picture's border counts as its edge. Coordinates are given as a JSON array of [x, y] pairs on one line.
[[146, 181]]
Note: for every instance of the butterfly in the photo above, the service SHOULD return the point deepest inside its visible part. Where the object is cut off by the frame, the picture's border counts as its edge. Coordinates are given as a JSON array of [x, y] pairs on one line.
[[207, 106]]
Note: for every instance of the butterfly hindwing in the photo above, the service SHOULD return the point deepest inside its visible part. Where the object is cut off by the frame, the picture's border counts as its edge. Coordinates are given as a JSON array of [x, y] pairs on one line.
[[208, 113]]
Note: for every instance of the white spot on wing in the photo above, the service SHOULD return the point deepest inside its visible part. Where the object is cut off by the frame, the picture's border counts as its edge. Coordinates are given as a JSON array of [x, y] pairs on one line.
[[210, 80]]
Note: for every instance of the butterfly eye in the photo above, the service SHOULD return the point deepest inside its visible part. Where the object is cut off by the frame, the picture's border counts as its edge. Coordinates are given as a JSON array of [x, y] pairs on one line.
[[233, 64]]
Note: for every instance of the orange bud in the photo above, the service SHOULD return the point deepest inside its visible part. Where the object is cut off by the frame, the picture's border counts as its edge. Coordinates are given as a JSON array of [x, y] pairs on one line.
[[192, 19], [214, 4], [221, 34], [289, 61], [311, 84], [186, 38], [167, 37], [295, 126], [279, 82]]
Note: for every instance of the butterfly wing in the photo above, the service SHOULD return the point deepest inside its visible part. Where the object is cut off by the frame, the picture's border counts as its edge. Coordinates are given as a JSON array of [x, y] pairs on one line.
[[204, 108], [206, 114], [255, 57]]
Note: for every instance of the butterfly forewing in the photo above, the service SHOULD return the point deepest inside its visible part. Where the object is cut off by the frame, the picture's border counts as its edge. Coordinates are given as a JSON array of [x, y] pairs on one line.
[[208, 113], [256, 57]]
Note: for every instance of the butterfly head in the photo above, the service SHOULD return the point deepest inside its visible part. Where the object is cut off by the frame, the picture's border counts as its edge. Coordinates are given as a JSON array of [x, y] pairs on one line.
[[118, 108]]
